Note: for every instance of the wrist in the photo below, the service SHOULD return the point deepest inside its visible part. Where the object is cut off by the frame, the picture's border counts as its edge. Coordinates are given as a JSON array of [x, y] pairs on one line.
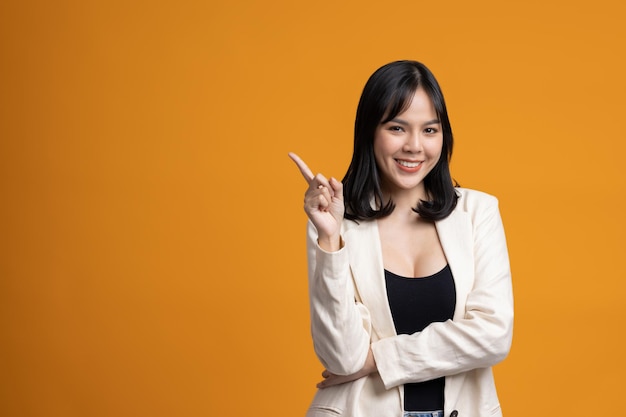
[[330, 243]]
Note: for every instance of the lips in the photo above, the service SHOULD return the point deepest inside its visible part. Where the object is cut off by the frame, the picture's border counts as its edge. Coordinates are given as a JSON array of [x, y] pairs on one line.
[[408, 164]]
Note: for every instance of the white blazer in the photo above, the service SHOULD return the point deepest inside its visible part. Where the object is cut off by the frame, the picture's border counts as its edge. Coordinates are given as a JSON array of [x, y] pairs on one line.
[[350, 313]]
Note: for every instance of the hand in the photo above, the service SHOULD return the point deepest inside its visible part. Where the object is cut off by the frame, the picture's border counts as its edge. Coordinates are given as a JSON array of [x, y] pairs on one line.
[[323, 203], [331, 379]]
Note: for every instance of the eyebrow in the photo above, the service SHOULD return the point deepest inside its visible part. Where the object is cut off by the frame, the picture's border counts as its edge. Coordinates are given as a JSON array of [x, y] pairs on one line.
[[405, 123]]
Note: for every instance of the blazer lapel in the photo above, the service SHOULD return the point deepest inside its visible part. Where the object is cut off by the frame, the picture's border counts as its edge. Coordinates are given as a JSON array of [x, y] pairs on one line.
[[366, 263], [455, 235]]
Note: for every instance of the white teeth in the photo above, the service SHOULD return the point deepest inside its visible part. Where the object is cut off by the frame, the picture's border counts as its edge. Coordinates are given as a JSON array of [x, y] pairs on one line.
[[408, 164]]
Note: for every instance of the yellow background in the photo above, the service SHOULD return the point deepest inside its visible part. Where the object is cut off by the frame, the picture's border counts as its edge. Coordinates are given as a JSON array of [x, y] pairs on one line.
[[152, 256]]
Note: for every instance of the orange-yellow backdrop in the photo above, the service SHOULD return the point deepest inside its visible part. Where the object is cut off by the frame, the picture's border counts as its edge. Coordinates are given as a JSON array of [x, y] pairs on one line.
[[151, 235]]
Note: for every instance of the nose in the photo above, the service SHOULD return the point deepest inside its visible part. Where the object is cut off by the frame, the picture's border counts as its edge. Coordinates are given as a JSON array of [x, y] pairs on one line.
[[413, 143]]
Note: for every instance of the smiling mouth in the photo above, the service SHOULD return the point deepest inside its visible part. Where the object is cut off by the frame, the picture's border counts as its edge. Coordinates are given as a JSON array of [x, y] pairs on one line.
[[408, 164]]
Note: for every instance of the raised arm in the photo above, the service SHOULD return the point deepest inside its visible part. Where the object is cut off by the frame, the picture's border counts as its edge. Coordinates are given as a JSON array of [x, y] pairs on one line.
[[339, 326]]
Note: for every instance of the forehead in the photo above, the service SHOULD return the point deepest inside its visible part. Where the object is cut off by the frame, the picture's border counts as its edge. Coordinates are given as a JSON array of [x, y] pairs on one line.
[[417, 105]]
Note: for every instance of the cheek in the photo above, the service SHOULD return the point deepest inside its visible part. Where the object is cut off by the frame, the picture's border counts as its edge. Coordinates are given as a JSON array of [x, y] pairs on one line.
[[436, 149], [386, 144]]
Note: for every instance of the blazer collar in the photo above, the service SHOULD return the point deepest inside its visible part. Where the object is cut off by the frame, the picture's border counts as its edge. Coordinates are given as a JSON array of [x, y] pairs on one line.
[[456, 237], [366, 263]]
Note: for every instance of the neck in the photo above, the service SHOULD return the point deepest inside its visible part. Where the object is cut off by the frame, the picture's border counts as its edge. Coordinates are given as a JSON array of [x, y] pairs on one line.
[[406, 200]]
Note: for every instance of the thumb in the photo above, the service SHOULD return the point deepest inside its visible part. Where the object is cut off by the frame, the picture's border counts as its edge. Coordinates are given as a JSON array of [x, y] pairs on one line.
[[337, 187]]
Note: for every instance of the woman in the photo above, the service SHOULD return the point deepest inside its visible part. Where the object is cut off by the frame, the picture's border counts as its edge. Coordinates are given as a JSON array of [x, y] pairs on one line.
[[409, 278]]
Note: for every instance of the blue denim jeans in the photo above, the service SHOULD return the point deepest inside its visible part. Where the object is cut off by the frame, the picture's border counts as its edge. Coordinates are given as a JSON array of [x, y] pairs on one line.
[[423, 413]]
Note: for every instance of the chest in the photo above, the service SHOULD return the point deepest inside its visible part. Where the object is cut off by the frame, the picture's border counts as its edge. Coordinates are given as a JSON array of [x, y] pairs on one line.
[[411, 249]]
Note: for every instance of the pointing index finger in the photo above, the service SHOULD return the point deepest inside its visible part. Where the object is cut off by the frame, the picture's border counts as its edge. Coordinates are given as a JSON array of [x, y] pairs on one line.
[[304, 169]]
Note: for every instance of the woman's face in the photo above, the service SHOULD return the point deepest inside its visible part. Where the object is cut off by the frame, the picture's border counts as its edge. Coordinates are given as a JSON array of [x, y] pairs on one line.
[[408, 147]]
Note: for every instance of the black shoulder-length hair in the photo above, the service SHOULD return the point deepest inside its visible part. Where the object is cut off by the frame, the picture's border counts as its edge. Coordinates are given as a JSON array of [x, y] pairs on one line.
[[387, 93]]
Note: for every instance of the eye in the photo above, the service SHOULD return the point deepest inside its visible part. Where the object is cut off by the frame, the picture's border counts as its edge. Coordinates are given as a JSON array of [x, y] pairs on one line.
[[431, 130], [395, 128]]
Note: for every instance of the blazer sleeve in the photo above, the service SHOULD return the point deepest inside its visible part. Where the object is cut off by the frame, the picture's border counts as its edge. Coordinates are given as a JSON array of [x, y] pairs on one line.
[[479, 339], [340, 326]]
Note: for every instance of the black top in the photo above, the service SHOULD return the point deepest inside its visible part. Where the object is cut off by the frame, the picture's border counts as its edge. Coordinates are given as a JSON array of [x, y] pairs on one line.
[[415, 303]]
